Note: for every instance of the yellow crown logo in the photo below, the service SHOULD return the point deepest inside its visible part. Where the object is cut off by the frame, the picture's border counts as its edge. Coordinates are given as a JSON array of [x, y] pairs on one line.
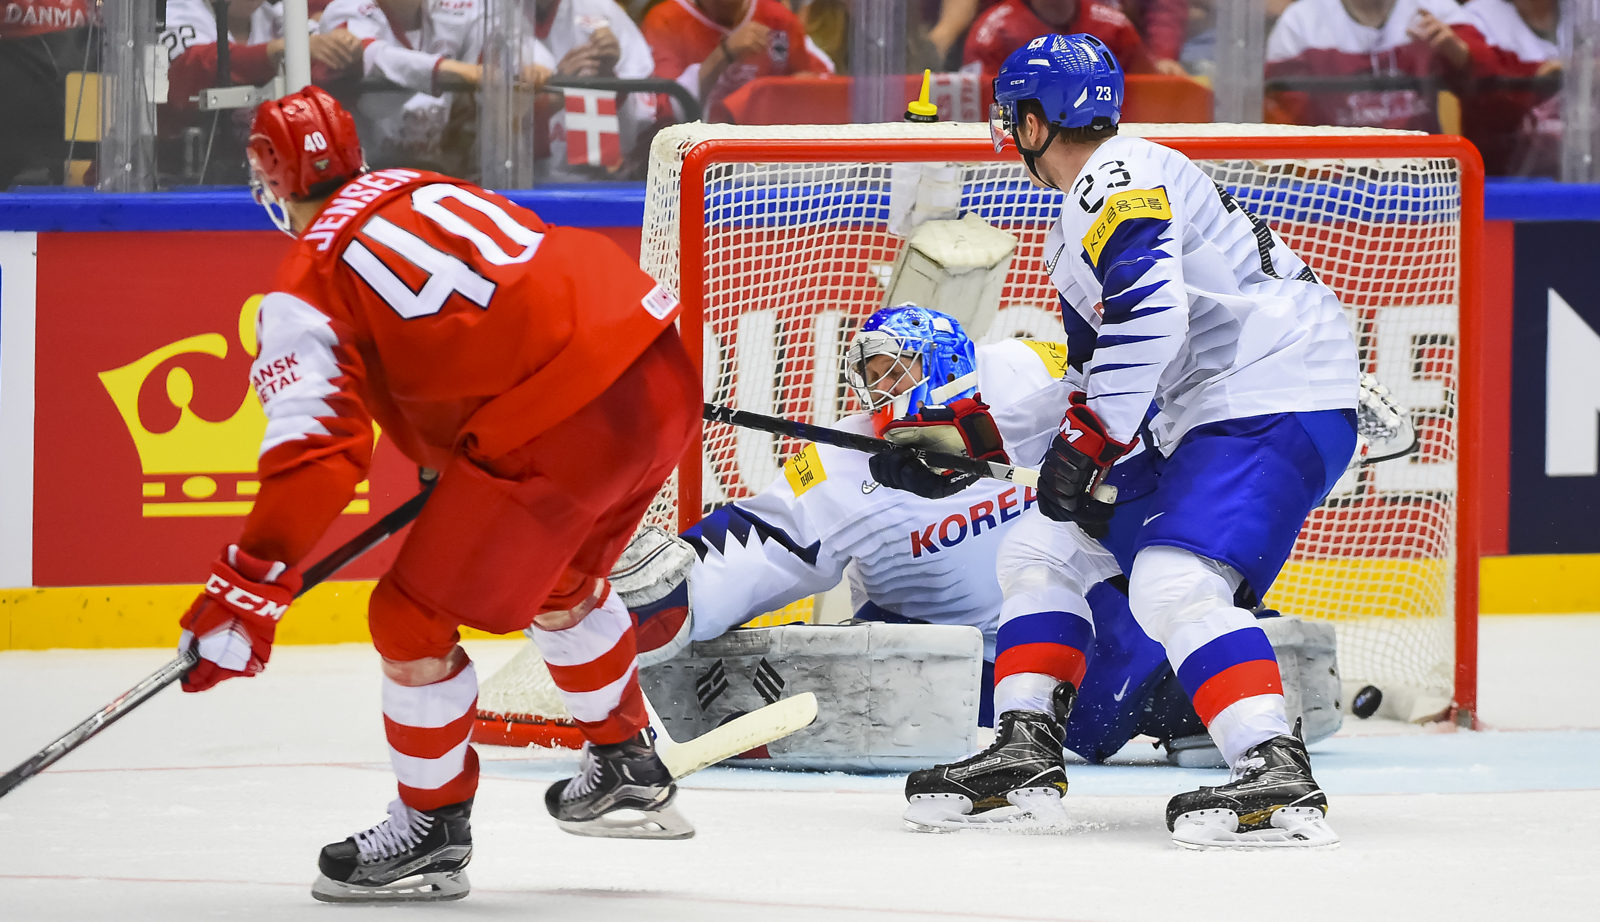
[[199, 460]]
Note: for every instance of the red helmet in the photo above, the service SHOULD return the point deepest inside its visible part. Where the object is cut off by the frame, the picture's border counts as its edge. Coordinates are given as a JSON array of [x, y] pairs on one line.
[[301, 141]]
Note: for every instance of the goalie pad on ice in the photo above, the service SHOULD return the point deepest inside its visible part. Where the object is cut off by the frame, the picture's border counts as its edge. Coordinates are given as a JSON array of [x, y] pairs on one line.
[[889, 696], [1309, 664]]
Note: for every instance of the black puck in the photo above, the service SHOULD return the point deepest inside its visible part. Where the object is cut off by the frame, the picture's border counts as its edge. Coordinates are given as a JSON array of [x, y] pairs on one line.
[[1365, 703]]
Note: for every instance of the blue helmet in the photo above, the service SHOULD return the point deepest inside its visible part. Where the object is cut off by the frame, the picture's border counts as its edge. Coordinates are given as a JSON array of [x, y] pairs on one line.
[[1075, 78], [947, 368]]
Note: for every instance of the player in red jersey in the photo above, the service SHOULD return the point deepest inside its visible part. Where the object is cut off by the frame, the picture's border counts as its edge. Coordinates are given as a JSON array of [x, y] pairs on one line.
[[537, 369], [713, 47], [1014, 23]]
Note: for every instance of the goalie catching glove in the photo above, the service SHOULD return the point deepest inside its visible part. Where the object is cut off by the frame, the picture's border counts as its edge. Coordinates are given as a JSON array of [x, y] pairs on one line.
[[964, 427], [233, 622], [1077, 461]]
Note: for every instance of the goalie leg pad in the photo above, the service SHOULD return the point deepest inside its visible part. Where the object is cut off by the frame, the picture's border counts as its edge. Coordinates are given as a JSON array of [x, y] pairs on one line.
[[652, 579], [889, 696], [1308, 664]]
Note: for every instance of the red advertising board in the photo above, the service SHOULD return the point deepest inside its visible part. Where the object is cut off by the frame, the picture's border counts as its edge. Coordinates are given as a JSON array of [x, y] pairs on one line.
[[146, 429]]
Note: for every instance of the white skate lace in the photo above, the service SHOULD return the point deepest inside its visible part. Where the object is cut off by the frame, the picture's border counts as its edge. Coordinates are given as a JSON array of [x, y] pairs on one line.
[[404, 828], [1247, 769], [588, 776]]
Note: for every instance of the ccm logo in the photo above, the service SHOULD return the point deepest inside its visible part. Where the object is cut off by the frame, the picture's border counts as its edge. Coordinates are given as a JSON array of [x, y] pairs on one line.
[[242, 600]]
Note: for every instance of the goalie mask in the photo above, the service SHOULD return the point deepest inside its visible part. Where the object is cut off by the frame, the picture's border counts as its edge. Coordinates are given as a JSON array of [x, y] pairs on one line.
[[933, 362]]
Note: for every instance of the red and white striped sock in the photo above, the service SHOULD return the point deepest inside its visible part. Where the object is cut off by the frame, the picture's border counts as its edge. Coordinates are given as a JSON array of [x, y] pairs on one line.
[[594, 665], [427, 727]]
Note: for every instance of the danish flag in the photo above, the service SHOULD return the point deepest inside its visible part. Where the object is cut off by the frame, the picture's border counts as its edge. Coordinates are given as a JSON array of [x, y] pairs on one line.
[[592, 129]]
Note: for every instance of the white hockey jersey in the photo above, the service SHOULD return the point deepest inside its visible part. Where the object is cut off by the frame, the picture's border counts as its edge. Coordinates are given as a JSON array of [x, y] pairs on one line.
[[194, 22], [932, 560], [397, 125], [1171, 291]]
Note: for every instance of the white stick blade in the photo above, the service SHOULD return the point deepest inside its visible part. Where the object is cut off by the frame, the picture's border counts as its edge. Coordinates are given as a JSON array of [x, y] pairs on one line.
[[758, 728]]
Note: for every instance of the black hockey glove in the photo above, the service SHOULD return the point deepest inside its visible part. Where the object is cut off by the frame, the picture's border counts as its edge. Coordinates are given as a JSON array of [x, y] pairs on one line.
[[901, 469], [1078, 458]]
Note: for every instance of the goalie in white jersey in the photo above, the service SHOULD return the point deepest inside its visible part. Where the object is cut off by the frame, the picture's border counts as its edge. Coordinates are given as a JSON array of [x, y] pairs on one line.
[[1173, 293], [911, 559]]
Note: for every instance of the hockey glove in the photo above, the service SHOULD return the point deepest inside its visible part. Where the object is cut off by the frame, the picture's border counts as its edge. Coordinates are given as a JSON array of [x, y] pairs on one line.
[[233, 622], [901, 469], [962, 428], [1077, 460]]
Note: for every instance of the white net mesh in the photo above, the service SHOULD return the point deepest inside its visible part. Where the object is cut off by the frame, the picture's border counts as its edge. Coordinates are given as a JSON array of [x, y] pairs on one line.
[[522, 688], [796, 256]]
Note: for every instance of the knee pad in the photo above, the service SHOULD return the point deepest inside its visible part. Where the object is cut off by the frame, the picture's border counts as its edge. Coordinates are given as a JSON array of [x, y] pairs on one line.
[[562, 618], [419, 672], [1170, 587], [1045, 587]]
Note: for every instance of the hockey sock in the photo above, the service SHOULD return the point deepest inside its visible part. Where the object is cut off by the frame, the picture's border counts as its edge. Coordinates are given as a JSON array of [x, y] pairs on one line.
[[1041, 643], [1221, 656], [427, 727], [594, 666]]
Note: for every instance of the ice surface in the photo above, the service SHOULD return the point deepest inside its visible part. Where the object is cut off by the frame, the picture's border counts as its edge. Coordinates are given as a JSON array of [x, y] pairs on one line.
[[214, 805]]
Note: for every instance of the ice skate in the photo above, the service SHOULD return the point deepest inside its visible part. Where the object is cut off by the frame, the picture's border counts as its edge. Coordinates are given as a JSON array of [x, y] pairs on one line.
[[413, 856], [622, 791], [1015, 785], [1271, 802]]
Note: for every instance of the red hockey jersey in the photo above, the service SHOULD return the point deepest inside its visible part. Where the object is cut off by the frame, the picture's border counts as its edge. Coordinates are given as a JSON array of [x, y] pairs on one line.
[[1013, 24], [457, 320]]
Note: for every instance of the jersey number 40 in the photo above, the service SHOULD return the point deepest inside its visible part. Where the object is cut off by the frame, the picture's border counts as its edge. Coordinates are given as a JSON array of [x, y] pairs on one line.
[[447, 274]]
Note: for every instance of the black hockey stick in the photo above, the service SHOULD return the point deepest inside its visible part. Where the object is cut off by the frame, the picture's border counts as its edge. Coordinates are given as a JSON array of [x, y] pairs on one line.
[[374, 535], [1025, 476]]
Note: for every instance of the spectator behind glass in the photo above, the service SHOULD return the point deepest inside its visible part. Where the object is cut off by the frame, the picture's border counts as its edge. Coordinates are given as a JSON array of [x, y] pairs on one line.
[[1014, 23], [593, 38], [827, 24], [432, 48], [1383, 38], [713, 47], [1163, 24], [255, 52], [41, 41], [1518, 131]]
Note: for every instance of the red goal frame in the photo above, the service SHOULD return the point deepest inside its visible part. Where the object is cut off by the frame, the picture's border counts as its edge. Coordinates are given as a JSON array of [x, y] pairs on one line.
[[1471, 416]]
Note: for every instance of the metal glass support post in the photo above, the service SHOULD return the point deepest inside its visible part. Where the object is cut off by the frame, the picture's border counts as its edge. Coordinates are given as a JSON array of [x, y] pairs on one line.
[[1241, 60], [877, 60], [127, 157], [296, 45], [505, 113], [1579, 35]]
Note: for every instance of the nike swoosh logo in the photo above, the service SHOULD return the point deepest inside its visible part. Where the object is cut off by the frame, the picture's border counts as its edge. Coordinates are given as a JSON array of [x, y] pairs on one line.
[[867, 486], [1152, 519], [1124, 691]]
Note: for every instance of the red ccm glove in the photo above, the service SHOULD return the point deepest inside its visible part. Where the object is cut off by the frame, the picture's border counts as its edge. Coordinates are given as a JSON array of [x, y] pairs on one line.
[[1076, 462], [232, 624]]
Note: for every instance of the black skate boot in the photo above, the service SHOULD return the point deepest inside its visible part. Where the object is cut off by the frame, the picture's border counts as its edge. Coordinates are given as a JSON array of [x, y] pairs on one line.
[[1271, 802], [622, 791], [1016, 783], [411, 856]]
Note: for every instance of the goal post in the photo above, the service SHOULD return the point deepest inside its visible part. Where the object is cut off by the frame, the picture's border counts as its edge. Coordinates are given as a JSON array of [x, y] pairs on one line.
[[778, 240]]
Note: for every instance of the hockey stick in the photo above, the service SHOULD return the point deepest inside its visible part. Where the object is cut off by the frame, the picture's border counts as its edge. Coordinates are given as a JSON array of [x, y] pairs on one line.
[[374, 535], [742, 734], [1026, 476]]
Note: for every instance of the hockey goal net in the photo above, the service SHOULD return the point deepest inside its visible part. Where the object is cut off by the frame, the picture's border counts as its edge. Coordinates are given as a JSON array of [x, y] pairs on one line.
[[780, 241]]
